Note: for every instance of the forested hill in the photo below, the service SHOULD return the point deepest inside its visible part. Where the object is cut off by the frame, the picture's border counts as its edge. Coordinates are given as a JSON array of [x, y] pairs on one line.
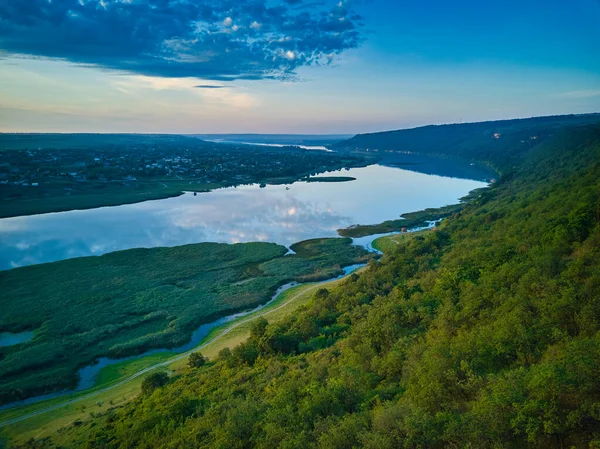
[[490, 142], [482, 334]]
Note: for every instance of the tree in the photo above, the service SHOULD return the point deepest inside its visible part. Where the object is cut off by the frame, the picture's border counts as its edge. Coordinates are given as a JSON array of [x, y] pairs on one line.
[[196, 360], [322, 293], [259, 327], [154, 381]]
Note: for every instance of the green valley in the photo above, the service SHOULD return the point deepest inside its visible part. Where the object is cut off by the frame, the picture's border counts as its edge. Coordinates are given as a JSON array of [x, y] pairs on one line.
[[299, 224], [480, 333]]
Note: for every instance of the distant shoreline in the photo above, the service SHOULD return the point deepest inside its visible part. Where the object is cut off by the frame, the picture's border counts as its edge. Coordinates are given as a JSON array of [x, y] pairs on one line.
[[86, 201]]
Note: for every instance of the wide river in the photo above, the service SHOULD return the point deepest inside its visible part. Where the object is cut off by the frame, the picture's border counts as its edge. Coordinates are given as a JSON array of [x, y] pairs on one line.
[[281, 214]]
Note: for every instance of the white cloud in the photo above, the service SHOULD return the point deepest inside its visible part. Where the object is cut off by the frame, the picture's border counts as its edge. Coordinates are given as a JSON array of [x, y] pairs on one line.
[[128, 83], [229, 98], [228, 22], [138, 86], [580, 94]]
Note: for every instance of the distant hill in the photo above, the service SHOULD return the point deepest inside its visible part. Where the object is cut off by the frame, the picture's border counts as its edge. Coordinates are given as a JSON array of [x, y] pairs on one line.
[[30, 141], [495, 142]]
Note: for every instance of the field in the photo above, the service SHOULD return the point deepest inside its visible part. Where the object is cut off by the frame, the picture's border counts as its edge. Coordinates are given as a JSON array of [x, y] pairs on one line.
[[127, 302]]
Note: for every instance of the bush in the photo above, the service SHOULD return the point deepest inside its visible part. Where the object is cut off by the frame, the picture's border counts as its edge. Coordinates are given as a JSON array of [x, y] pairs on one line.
[[154, 381], [196, 360]]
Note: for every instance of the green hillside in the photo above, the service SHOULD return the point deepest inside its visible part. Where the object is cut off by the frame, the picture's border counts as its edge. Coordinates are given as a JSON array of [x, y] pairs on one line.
[[489, 142], [482, 334]]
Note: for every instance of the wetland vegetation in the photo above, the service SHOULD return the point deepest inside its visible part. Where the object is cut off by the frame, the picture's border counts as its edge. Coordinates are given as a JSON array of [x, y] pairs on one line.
[[127, 302]]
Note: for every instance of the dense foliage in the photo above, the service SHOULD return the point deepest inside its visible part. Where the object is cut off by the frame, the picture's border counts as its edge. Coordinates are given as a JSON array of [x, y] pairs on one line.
[[482, 334], [126, 302]]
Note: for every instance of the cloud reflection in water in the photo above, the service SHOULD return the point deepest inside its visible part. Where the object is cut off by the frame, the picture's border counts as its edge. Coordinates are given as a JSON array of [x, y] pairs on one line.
[[242, 214]]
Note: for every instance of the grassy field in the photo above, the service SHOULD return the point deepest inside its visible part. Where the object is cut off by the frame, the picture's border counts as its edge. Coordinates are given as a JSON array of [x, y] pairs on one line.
[[88, 406], [127, 302]]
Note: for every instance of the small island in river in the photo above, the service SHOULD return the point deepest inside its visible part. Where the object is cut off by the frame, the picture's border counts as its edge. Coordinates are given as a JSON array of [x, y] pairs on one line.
[[330, 179]]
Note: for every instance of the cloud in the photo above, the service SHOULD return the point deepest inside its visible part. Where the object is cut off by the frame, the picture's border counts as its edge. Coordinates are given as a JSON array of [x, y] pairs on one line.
[[221, 40], [136, 86], [206, 86], [581, 94]]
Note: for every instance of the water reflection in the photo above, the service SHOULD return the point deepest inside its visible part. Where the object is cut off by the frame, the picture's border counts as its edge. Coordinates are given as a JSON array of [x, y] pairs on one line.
[[242, 214], [10, 339]]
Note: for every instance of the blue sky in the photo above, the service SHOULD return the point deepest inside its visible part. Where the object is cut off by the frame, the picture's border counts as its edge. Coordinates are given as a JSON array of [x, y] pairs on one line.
[[292, 66]]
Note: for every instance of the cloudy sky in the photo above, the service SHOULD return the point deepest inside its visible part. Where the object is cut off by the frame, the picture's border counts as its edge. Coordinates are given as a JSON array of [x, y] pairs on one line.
[[292, 66]]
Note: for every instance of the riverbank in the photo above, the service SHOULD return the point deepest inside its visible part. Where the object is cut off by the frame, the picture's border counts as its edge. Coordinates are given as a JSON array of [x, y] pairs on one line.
[[389, 243], [408, 221], [330, 179], [119, 384], [413, 220], [128, 302], [45, 173], [110, 195]]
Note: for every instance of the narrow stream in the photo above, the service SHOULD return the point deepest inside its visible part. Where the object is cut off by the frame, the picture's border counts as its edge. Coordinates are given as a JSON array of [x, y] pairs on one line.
[[88, 374]]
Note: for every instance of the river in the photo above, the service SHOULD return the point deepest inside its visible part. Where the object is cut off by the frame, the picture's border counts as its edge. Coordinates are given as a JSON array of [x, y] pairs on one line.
[[283, 214]]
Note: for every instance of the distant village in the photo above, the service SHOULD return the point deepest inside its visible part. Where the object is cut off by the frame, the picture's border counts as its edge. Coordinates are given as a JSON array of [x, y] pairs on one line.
[[209, 163]]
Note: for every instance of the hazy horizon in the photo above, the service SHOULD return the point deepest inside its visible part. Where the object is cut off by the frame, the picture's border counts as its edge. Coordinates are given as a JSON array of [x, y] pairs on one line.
[[306, 134]]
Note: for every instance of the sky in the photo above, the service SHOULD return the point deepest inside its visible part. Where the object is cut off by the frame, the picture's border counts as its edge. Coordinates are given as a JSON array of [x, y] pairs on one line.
[[292, 66]]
